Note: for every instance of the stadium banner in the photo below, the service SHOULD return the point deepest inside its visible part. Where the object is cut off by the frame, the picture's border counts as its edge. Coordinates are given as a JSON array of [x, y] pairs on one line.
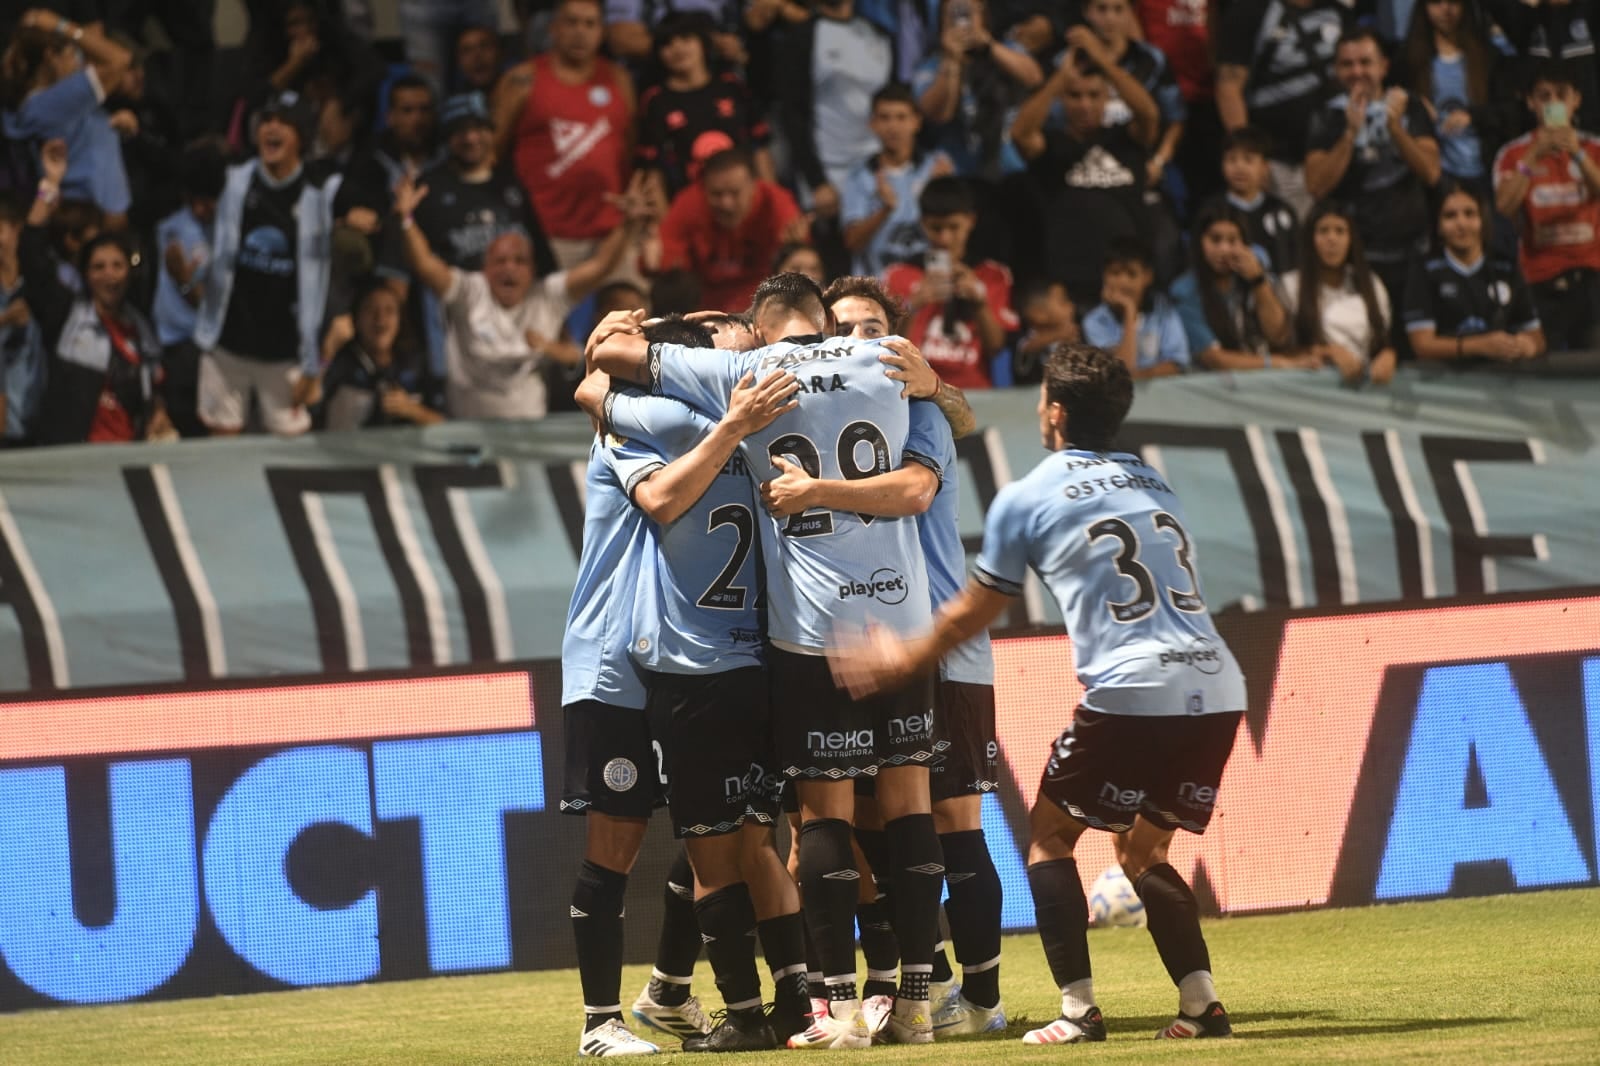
[[187, 840], [384, 550]]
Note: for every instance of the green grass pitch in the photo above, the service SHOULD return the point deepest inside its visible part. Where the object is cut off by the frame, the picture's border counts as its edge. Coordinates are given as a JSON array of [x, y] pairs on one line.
[[1497, 979]]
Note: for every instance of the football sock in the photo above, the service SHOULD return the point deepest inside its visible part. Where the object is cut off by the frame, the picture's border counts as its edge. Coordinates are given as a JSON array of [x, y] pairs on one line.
[[941, 970], [679, 944], [918, 879], [1196, 992], [727, 925], [1174, 916], [597, 931], [828, 880], [1061, 912], [879, 946], [973, 910], [1077, 998], [874, 844], [783, 942]]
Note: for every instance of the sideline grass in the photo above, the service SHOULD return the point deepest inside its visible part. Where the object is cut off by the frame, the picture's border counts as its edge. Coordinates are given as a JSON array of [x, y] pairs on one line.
[[1485, 980]]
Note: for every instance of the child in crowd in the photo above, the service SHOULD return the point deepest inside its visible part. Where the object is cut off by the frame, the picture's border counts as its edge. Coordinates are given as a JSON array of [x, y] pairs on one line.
[[960, 314], [1232, 312], [879, 200], [1270, 223], [1048, 318], [1341, 309], [1135, 320]]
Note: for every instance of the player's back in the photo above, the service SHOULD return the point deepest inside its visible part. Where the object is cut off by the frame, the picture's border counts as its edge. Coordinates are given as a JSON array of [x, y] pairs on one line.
[[1106, 536]]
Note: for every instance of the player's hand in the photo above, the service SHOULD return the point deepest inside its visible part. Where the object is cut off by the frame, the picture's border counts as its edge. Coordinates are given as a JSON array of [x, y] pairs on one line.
[[789, 492], [868, 662], [753, 407], [631, 321], [911, 369]]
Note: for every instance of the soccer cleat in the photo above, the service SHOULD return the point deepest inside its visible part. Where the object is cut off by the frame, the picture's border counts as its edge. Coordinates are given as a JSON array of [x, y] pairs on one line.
[[961, 1016], [1089, 1027], [790, 1016], [682, 1020], [875, 1011], [911, 1022], [838, 1028], [613, 1038], [943, 994], [736, 1030], [1211, 1022]]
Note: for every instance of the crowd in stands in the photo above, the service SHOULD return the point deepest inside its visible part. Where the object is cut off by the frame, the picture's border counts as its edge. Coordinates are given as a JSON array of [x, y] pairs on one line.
[[323, 230]]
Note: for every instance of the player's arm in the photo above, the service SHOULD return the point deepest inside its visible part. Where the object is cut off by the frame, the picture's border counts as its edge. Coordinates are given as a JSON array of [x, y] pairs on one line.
[[922, 382], [881, 660], [907, 491]]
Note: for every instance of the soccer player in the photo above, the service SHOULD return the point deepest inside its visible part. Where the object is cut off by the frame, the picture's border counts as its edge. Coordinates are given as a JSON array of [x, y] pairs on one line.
[[611, 767], [838, 567], [1163, 695]]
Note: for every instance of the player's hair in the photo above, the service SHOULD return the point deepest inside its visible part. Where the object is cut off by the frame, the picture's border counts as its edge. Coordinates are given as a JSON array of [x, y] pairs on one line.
[[1250, 139], [1129, 251], [948, 195], [896, 92], [790, 292], [1357, 34], [1095, 389], [867, 288], [727, 159], [675, 329], [407, 81], [1308, 320]]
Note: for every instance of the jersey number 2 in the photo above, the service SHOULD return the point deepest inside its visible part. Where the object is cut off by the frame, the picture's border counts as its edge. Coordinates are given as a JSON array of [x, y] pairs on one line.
[[1128, 565], [724, 595]]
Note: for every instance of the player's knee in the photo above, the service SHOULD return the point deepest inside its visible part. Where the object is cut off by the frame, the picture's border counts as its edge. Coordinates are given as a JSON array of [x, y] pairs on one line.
[[613, 842], [958, 814], [1138, 854]]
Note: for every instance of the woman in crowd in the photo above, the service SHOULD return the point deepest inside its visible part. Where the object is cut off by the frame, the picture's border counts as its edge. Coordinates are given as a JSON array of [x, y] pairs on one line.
[[1465, 303], [1232, 312], [48, 92], [968, 88], [369, 381], [101, 378], [1449, 63], [1342, 312]]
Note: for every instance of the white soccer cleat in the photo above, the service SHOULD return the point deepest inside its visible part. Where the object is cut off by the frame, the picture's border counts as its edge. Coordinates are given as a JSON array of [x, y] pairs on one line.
[[684, 1020], [613, 1038], [875, 1012], [1086, 1028], [911, 1022], [840, 1027], [943, 994], [960, 1017]]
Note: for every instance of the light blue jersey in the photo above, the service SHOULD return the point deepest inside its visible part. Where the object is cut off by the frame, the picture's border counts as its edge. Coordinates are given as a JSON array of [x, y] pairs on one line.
[[939, 529], [594, 651], [696, 610], [1104, 534], [838, 567]]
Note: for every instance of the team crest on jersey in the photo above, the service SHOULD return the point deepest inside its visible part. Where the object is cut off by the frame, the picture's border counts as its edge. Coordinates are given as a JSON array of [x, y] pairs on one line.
[[620, 775]]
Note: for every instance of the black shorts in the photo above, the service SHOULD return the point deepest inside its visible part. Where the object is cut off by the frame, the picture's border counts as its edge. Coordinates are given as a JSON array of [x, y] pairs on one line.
[[716, 736], [1106, 768], [613, 764], [824, 734], [967, 755]]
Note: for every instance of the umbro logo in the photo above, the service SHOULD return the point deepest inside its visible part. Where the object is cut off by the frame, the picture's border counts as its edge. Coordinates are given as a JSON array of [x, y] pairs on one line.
[[956, 879], [705, 939], [929, 868], [843, 875], [576, 913]]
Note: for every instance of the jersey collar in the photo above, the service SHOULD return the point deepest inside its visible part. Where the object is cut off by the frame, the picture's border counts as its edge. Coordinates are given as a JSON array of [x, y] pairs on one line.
[[1464, 269]]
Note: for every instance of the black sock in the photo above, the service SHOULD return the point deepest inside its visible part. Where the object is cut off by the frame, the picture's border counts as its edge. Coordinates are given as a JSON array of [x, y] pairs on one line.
[[1174, 916], [941, 971], [783, 942], [814, 986], [728, 922], [1061, 912], [597, 931], [918, 865], [973, 910], [679, 944], [880, 948], [828, 883], [874, 844]]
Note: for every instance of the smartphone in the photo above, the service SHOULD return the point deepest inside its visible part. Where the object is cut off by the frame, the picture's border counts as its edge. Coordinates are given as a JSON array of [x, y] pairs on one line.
[[937, 262], [961, 15], [1555, 113]]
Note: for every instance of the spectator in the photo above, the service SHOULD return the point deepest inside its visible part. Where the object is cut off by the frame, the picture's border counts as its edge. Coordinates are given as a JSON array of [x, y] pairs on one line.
[[1113, 27], [1464, 304], [406, 146], [727, 228], [561, 379], [342, 124], [479, 60], [503, 322], [308, 51], [1270, 222], [628, 25], [22, 352], [368, 382], [879, 200], [798, 258], [1341, 308], [434, 30], [969, 90], [48, 92], [565, 117], [691, 108], [74, 224], [1181, 31], [1232, 312], [1375, 150], [1548, 182], [1135, 320], [960, 313], [148, 127], [1048, 318], [1091, 175], [185, 239], [1546, 31], [832, 66], [1273, 72], [266, 290], [104, 357]]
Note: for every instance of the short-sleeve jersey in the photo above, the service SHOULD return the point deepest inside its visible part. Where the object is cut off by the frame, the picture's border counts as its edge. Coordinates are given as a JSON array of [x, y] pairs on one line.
[[1559, 221], [1104, 534], [837, 567], [1455, 300], [696, 609], [939, 529], [594, 650], [1389, 200]]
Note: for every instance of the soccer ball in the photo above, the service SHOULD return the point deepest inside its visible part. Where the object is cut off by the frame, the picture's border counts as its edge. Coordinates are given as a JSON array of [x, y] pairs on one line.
[[1114, 903]]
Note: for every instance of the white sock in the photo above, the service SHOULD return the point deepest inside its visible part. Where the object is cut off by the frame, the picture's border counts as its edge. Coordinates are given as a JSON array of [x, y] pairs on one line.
[[1196, 993], [1077, 998]]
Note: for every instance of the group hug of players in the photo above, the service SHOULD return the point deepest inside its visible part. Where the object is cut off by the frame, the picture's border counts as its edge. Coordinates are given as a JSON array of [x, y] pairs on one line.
[[772, 615]]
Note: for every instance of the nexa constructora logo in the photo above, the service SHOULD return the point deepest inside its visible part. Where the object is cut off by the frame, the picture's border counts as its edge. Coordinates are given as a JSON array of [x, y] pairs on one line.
[[886, 585], [840, 742]]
